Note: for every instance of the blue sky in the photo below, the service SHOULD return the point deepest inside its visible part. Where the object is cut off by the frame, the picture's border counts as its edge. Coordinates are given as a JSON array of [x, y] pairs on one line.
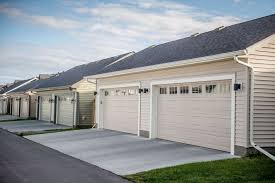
[[53, 36]]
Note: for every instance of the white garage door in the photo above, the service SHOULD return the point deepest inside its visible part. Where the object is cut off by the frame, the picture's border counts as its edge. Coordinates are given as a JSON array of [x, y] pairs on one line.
[[5, 106], [120, 110], [15, 108], [1, 107], [196, 113], [24, 107], [65, 110], [45, 110]]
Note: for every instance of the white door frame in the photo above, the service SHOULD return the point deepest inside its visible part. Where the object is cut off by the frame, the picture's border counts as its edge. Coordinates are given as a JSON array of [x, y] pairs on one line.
[[99, 96], [153, 100]]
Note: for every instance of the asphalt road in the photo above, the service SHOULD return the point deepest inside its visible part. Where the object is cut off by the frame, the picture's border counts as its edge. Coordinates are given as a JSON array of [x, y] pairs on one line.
[[22, 160]]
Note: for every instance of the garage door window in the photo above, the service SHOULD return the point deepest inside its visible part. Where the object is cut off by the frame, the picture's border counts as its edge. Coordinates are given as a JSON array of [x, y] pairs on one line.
[[106, 93], [197, 89], [163, 90], [211, 88], [131, 92], [225, 88], [184, 89], [173, 90]]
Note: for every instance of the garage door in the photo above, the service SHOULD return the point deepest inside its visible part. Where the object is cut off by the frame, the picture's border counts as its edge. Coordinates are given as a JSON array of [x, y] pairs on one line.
[[45, 110], [24, 107], [5, 106], [196, 113], [15, 109], [1, 106], [65, 110], [120, 110]]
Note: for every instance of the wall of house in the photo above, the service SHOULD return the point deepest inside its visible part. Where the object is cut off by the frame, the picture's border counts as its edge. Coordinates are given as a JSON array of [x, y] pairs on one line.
[[221, 67], [86, 102], [262, 58]]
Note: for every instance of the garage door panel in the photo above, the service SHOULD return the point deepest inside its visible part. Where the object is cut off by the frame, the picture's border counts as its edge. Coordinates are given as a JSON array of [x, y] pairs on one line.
[[201, 119], [121, 111], [25, 107], [45, 108], [66, 110]]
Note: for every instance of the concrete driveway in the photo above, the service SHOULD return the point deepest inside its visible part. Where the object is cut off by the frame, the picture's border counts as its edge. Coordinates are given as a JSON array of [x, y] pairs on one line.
[[29, 125], [9, 118], [125, 154]]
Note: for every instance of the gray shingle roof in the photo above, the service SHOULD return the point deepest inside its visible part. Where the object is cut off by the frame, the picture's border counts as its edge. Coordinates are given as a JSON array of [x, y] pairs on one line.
[[232, 38], [7, 89], [29, 86], [77, 73]]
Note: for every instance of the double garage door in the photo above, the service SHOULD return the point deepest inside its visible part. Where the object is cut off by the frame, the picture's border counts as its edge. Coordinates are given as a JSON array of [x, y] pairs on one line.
[[196, 113], [63, 109], [120, 109], [192, 113]]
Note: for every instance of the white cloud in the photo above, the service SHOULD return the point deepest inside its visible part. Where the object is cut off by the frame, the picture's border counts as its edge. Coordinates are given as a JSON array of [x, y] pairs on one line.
[[144, 20], [107, 29], [58, 23], [49, 21]]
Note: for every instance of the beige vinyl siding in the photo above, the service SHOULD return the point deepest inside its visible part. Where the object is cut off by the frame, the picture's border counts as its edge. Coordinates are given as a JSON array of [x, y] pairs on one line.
[[209, 69], [86, 108], [86, 102], [263, 60], [85, 86]]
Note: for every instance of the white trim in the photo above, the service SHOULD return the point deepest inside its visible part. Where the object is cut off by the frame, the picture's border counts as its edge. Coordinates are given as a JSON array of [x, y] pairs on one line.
[[123, 85], [153, 100], [205, 59], [99, 108]]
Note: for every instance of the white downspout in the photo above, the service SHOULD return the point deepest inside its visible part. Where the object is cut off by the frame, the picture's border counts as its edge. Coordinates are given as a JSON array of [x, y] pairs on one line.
[[252, 109]]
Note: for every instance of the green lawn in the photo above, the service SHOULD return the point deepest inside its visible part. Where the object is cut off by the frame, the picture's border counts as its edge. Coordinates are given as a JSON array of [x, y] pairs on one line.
[[240, 170]]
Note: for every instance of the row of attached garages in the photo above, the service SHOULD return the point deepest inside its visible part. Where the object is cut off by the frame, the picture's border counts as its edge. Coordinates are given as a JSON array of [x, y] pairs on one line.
[[193, 113], [23, 106], [201, 107], [70, 109]]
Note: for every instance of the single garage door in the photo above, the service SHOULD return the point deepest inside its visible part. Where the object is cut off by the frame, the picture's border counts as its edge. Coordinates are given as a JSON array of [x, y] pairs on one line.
[[15, 107], [1, 106], [24, 107], [196, 113], [120, 109], [5, 106], [45, 110], [65, 110]]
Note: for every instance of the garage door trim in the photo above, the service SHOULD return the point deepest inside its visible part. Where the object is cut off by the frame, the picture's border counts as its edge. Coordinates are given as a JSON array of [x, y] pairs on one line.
[[153, 100], [99, 107]]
